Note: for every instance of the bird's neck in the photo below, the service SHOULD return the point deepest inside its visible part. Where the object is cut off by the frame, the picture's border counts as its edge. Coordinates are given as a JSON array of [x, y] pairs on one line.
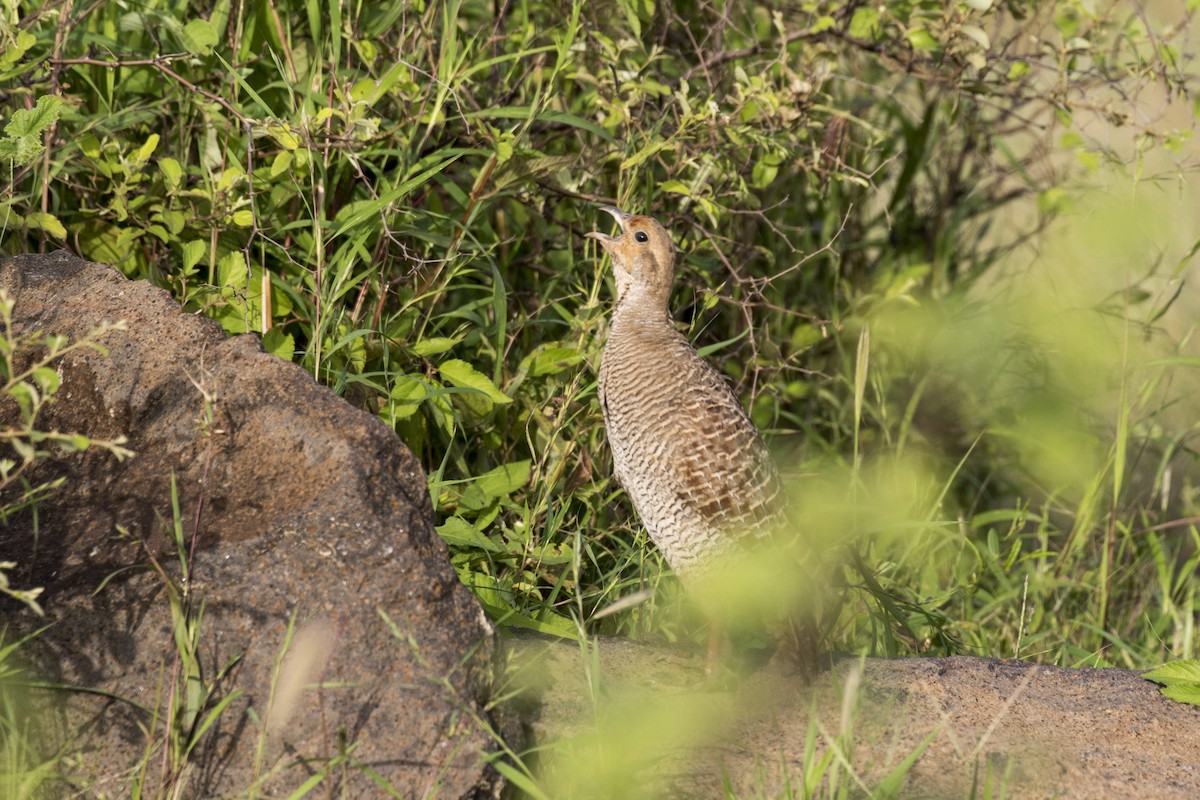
[[640, 306]]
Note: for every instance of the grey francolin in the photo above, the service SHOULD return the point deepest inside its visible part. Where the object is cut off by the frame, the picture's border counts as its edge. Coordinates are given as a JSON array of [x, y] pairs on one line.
[[685, 451]]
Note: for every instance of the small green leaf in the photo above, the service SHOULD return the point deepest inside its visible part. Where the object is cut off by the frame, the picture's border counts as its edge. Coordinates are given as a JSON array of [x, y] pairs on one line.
[[474, 499], [277, 342], [193, 251], [25, 395], [461, 374], [147, 149], [434, 345], [865, 22], [405, 398], [504, 480], [89, 145], [1053, 201], [232, 272], [1185, 670], [24, 449], [823, 23], [22, 142], [646, 153], [1183, 693], [554, 359], [554, 553], [198, 37], [76, 443], [458, 532], [47, 380], [922, 40], [243, 218], [34, 121], [175, 221], [46, 222], [364, 91], [172, 172], [283, 134], [281, 164]]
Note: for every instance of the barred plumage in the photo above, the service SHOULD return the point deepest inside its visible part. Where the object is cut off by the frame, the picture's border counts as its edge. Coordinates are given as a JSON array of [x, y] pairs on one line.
[[683, 448]]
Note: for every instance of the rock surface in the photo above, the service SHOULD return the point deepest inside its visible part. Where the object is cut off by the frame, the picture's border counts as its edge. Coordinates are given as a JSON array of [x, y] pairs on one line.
[[315, 543], [646, 725]]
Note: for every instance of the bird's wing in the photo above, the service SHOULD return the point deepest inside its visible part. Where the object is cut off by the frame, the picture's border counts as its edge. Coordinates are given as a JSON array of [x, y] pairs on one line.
[[725, 471]]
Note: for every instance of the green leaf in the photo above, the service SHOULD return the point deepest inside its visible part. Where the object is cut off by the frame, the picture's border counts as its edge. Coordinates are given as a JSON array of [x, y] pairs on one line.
[[232, 271], [23, 133], [865, 23], [675, 187], [283, 134], [277, 342], [175, 221], [24, 449], [551, 553], [25, 395], [524, 113], [461, 374], [172, 172], [636, 12], [554, 360], [17, 48], [922, 40], [1185, 670], [193, 251], [458, 532], [47, 380], [198, 37], [34, 121], [504, 480], [646, 153], [1053, 201], [405, 398], [89, 145], [76, 443], [46, 222], [1183, 693], [281, 164], [434, 345], [147, 149], [547, 623]]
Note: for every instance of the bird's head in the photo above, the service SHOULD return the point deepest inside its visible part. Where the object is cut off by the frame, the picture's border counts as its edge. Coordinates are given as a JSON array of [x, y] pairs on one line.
[[643, 256]]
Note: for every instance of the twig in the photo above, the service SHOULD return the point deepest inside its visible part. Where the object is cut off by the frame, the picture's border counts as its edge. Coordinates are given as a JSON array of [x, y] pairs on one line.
[[159, 63]]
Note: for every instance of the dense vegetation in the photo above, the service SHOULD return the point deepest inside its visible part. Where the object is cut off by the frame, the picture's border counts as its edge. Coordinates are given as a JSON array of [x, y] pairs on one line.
[[880, 214]]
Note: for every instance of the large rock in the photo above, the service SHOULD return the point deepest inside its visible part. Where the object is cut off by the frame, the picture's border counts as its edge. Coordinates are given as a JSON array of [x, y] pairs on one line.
[[635, 721], [314, 542]]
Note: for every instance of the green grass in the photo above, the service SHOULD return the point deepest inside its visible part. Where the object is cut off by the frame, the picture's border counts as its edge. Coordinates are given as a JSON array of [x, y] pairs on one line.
[[392, 195]]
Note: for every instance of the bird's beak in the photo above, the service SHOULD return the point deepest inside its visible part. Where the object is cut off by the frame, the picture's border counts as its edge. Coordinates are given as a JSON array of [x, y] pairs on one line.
[[619, 215]]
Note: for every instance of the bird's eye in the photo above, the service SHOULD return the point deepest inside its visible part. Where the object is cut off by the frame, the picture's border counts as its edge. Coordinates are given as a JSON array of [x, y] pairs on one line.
[[641, 236]]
